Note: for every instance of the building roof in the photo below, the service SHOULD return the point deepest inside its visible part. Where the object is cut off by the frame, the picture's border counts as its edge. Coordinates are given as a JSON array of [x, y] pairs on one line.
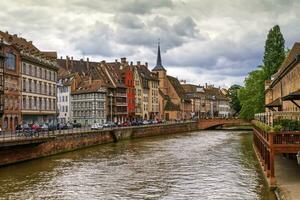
[[189, 88], [214, 93], [289, 62], [89, 86], [30, 52], [170, 106], [177, 86]]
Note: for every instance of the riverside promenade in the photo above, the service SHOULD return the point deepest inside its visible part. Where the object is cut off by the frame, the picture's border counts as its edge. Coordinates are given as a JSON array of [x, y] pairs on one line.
[[288, 178]]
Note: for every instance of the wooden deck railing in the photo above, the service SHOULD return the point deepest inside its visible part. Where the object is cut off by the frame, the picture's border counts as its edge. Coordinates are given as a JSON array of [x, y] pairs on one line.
[[267, 144]]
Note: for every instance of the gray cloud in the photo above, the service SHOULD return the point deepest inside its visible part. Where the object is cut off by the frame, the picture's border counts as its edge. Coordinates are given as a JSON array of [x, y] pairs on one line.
[[129, 21], [144, 6], [220, 41]]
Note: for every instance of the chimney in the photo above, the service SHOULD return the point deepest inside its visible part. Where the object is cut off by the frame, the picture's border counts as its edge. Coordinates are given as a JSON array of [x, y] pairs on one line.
[[61, 57], [90, 80], [72, 64], [116, 60], [205, 85], [131, 63], [123, 60], [146, 64], [67, 62], [138, 63], [87, 63]]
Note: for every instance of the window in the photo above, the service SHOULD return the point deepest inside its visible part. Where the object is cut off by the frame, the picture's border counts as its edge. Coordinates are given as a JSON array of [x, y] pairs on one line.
[[24, 85], [35, 102], [24, 102], [30, 85], [24, 68], [11, 61]]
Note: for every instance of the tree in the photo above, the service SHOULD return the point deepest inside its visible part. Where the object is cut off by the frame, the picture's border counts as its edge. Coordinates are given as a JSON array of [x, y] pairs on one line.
[[274, 52], [252, 95], [234, 100]]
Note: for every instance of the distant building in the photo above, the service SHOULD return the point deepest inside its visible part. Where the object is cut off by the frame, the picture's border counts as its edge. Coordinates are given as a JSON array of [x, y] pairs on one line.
[[127, 73], [173, 102], [217, 101], [38, 73], [2, 62], [198, 100], [64, 97], [147, 89], [88, 102], [110, 75], [10, 85]]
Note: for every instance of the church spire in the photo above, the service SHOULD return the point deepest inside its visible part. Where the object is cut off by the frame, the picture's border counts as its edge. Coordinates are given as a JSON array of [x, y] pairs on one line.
[[159, 65]]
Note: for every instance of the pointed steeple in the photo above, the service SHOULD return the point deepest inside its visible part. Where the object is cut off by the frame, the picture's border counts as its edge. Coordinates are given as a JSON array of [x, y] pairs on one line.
[[159, 65]]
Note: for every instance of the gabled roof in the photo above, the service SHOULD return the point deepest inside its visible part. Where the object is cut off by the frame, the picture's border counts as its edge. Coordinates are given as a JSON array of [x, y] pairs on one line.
[[214, 94], [30, 51], [89, 86], [170, 106], [177, 86]]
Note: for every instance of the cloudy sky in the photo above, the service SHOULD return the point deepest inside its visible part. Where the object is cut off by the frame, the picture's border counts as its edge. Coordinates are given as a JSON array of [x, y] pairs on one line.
[[214, 41]]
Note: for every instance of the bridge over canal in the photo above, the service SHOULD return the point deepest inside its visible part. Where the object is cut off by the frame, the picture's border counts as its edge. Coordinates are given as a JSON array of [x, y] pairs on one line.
[[216, 122]]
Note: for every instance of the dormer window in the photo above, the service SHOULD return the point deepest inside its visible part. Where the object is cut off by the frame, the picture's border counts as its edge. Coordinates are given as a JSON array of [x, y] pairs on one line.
[[10, 61]]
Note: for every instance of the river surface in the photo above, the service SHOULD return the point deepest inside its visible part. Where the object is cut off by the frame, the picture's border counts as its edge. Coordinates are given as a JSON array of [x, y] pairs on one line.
[[199, 165]]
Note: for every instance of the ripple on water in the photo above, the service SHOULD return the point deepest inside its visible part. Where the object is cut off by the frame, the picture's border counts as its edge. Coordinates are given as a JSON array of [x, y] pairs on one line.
[[205, 165]]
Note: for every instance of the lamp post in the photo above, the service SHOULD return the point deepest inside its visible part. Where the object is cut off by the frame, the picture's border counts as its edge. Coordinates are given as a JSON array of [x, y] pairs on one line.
[[111, 96], [183, 109], [212, 106]]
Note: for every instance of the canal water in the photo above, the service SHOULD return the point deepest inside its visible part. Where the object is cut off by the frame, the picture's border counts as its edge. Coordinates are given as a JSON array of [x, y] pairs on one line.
[[199, 165]]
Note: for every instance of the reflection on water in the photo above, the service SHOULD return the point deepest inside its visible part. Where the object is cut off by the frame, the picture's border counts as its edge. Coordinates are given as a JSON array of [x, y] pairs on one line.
[[198, 165]]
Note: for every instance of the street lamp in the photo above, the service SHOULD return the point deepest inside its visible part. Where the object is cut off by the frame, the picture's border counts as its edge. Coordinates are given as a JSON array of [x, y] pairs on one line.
[[212, 106], [183, 109], [111, 96]]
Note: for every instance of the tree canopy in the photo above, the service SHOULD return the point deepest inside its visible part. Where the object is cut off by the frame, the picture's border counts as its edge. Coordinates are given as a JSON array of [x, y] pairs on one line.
[[234, 100], [251, 96]]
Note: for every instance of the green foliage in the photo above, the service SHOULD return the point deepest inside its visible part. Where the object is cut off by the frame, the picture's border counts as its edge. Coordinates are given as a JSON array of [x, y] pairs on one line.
[[252, 97], [277, 128], [274, 51], [262, 126], [233, 94], [288, 124]]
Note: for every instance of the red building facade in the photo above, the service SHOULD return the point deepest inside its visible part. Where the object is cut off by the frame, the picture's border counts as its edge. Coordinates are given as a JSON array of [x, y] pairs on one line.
[[128, 80]]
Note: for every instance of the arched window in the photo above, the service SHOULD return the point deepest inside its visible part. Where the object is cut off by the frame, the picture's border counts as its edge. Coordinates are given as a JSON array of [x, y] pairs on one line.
[[11, 61]]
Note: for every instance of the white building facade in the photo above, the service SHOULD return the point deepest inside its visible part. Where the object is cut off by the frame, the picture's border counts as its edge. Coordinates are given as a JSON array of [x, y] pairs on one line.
[[89, 108], [64, 102]]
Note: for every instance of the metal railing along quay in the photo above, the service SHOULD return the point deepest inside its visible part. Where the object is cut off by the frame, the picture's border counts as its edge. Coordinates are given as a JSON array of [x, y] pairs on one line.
[[8, 136]]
